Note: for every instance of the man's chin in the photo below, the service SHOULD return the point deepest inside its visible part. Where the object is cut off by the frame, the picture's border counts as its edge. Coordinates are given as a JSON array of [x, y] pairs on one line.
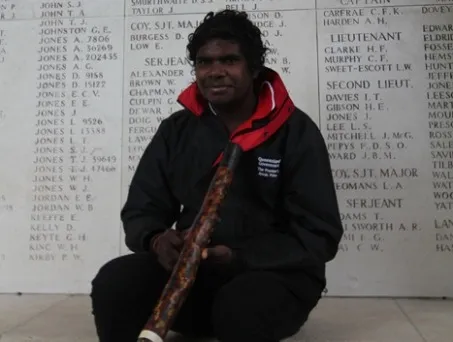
[[220, 97], [219, 100]]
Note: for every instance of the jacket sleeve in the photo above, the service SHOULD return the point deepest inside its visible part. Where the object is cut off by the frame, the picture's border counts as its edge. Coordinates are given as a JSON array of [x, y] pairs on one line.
[[150, 206], [311, 230]]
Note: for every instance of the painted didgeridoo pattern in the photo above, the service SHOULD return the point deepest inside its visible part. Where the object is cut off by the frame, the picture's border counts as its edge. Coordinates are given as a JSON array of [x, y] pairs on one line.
[[184, 272]]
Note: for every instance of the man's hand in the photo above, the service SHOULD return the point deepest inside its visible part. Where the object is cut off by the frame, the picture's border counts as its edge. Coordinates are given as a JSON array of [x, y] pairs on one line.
[[167, 247], [218, 254]]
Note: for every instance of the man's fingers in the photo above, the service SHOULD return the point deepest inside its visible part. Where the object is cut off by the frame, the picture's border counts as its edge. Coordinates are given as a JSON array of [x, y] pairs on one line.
[[213, 252], [175, 240], [217, 254], [171, 255], [204, 253], [165, 264], [184, 233]]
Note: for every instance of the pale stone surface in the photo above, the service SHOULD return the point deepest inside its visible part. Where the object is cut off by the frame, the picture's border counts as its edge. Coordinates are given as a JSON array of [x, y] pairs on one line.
[[16, 310], [84, 85], [40, 318], [432, 318], [68, 320], [358, 320]]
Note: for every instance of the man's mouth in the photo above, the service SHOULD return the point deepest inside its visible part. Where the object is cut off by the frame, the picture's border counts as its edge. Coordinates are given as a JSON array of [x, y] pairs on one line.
[[218, 87]]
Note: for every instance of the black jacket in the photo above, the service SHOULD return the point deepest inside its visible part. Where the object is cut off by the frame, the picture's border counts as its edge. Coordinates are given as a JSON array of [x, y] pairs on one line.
[[281, 212]]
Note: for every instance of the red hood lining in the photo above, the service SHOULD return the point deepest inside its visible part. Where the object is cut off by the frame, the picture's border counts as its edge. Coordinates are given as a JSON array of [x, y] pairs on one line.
[[266, 100]]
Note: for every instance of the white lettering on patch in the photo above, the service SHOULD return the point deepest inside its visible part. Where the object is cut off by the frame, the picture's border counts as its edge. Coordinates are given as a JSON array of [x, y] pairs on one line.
[[268, 168]]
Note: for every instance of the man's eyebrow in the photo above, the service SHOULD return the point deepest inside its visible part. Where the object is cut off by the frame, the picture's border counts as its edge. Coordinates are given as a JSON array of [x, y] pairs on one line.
[[227, 56], [231, 55]]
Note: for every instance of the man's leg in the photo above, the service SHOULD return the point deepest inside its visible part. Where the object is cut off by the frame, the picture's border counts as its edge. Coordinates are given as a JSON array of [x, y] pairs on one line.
[[258, 307], [125, 291]]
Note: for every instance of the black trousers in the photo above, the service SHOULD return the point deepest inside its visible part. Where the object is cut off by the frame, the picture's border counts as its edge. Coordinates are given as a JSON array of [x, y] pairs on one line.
[[251, 307]]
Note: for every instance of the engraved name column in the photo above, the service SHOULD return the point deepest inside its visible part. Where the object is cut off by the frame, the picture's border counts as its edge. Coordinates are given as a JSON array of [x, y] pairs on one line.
[[9, 198], [75, 189], [8, 13], [51, 207], [437, 33], [3, 44], [371, 72]]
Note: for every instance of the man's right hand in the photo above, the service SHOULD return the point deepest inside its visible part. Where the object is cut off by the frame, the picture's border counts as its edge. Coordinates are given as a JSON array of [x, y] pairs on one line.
[[167, 246]]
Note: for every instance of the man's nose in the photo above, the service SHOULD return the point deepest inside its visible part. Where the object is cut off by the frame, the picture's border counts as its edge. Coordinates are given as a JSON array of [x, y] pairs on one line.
[[217, 69]]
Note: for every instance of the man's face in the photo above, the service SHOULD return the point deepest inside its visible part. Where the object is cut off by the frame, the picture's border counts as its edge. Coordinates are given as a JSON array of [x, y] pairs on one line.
[[221, 72]]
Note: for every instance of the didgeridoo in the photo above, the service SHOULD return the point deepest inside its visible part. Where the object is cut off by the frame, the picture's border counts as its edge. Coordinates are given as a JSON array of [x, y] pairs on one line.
[[184, 272]]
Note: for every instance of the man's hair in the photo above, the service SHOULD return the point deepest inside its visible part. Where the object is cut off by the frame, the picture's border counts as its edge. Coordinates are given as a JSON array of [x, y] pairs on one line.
[[233, 26]]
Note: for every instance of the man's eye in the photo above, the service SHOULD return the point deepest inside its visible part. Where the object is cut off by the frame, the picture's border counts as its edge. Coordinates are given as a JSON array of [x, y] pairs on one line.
[[200, 61], [229, 60]]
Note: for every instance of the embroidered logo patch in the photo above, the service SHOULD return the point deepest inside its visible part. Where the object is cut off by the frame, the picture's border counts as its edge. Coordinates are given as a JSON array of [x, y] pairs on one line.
[[268, 168]]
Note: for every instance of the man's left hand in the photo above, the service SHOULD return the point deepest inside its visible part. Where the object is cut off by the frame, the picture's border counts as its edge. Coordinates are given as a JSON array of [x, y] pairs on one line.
[[218, 254]]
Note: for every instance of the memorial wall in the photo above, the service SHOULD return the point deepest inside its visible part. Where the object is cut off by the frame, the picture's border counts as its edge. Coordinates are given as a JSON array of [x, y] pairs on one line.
[[85, 84]]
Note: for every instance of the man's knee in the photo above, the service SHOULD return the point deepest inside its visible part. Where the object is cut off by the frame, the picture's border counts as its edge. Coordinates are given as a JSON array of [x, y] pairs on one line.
[[257, 307], [122, 295], [236, 312], [106, 285], [108, 276], [125, 275], [232, 317]]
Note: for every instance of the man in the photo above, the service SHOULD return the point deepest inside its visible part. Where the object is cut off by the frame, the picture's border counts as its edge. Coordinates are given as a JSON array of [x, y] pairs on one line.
[[264, 270]]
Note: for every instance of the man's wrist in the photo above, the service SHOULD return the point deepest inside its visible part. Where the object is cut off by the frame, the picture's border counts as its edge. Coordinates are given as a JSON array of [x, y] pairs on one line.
[[154, 241]]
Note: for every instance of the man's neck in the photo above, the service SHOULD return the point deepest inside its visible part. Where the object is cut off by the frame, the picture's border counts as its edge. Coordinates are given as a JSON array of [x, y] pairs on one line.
[[234, 116]]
